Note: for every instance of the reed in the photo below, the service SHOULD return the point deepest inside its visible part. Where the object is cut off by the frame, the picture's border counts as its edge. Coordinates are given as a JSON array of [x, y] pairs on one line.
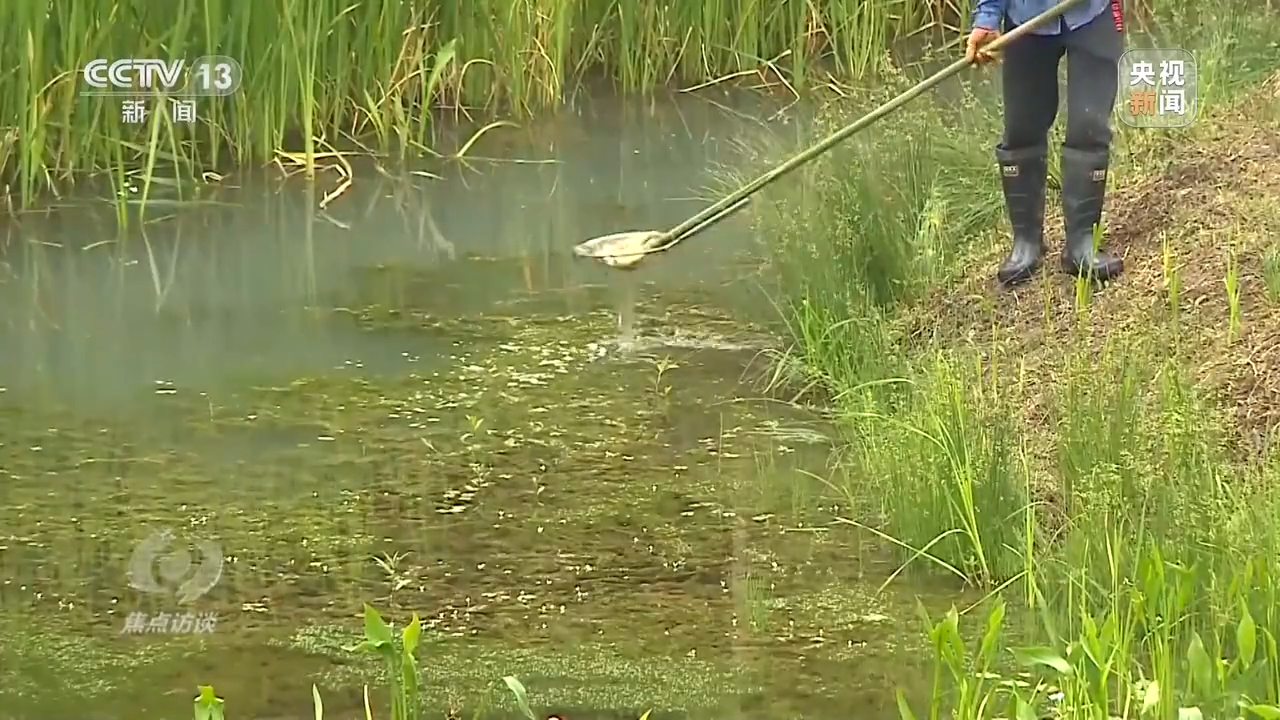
[[318, 72]]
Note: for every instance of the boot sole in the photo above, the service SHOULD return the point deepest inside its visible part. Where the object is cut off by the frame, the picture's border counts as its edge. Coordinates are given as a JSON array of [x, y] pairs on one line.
[[1017, 278], [1074, 270]]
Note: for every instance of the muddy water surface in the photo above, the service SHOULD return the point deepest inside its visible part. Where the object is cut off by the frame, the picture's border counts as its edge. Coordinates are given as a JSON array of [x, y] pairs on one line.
[[416, 399]]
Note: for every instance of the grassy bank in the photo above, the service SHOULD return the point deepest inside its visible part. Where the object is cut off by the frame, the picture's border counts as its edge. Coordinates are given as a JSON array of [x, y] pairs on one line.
[[1106, 463]]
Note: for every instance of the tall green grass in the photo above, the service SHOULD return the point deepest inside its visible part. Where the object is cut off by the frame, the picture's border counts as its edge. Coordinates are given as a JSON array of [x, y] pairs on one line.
[[1096, 494], [872, 225], [318, 72]]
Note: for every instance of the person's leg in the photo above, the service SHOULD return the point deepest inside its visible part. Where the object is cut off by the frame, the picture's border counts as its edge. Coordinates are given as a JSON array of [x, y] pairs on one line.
[[1029, 71], [1093, 54]]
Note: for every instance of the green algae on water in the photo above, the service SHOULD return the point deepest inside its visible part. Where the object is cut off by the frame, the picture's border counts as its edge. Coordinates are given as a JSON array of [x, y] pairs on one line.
[[589, 674]]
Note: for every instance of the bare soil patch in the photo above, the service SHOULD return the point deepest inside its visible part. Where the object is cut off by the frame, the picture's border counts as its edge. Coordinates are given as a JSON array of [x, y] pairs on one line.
[[1212, 207]]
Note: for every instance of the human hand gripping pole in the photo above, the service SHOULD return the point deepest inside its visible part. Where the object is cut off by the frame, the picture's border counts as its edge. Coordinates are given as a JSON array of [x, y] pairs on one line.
[[625, 250], [978, 46]]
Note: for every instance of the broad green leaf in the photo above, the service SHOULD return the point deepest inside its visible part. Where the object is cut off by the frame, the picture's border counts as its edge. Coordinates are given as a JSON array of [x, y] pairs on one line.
[[995, 620], [1042, 656], [412, 633], [952, 645], [1246, 638], [375, 628], [1200, 664], [208, 697], [1089, 642], [1266, 712], [365, 646], [208, 706]]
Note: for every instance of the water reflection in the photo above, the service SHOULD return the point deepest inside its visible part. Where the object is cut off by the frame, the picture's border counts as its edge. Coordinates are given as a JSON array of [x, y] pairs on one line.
[[229, 288]]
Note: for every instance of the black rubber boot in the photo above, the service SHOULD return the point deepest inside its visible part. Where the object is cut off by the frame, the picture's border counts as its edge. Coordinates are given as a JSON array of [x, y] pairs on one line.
[[1022, 174], [1084, 188]]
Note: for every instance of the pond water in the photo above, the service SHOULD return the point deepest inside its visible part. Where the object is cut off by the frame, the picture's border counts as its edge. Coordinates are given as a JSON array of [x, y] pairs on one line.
[[415, 399]]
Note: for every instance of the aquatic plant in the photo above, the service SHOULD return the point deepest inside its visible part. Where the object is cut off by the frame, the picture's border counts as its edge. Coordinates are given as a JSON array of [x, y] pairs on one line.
[[399, 657], [473, 442], [1150, 654], [399, 654]]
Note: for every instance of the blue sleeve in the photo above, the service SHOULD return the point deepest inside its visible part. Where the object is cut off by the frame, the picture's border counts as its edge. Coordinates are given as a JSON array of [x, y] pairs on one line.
[[987, 14]]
